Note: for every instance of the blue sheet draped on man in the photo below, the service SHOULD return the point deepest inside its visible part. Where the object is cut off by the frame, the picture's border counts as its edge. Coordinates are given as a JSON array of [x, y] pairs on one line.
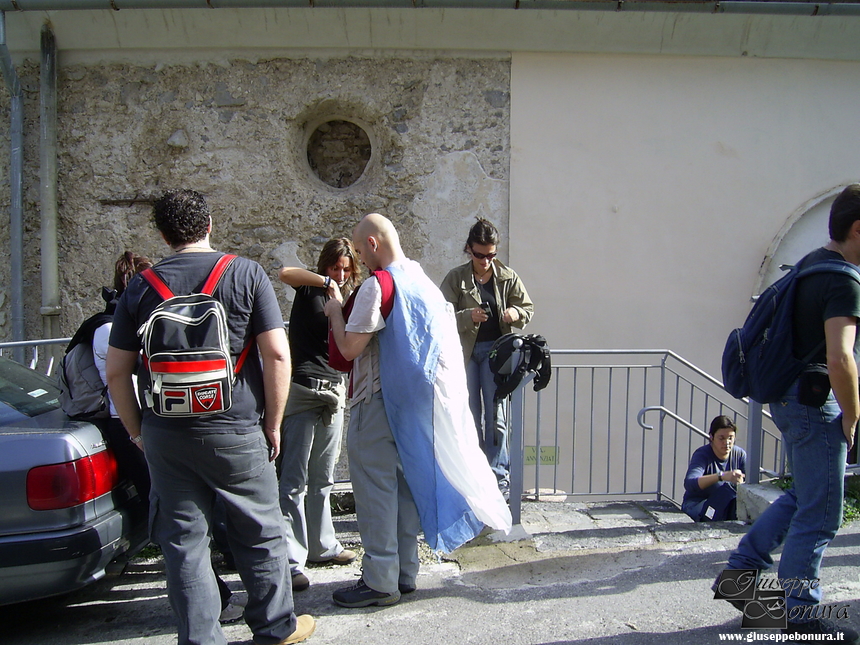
[[426, 401]]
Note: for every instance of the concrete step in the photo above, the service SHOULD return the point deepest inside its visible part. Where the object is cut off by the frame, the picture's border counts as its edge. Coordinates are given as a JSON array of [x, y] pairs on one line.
[[572, 526], [550, 527]]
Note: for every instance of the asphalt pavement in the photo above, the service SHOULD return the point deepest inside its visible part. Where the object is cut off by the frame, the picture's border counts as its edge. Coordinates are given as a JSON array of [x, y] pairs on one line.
[[629, 573]]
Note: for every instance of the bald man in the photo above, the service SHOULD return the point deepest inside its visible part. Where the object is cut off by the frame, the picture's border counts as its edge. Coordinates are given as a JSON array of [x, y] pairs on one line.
[[414, 458]]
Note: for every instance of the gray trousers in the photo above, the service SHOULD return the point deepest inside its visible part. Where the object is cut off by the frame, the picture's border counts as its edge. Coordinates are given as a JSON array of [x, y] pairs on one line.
[[309, 450], [387, 517], [188, 473]]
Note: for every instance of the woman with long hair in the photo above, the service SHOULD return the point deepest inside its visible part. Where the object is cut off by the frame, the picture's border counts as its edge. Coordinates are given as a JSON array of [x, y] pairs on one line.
[[313, 420], [129, 458], [489, 300]]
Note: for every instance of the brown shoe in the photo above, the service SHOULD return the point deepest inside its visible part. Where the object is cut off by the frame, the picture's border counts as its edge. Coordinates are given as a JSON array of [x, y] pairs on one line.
[[305, 626], [344, 557], [300, 581]]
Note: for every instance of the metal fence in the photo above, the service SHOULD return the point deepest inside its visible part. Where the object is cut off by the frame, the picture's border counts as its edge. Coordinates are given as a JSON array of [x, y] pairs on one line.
[[40, 355], [612, 424], [622, 424]]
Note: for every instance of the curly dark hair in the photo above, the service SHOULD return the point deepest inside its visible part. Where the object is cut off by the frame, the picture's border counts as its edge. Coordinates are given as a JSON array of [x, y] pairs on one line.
[[182, 216]]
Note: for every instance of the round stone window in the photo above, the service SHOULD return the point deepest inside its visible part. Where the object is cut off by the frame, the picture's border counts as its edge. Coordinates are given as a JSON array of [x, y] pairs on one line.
[[338, 152]]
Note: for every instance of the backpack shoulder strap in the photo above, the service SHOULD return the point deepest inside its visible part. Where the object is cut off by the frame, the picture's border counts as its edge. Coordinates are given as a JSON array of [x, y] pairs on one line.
[[217, 273], [827, 266], [241, 361], [386, 283], [348, 305], [161, 288], [158, 285], [831, 266], [209, 288], [85, 332]]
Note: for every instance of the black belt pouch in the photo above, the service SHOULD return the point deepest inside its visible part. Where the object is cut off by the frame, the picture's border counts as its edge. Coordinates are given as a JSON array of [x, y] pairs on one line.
[[813, 386]]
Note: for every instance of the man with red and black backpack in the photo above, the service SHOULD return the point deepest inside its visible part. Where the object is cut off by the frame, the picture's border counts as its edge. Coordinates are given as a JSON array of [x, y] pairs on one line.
[[209, 440]]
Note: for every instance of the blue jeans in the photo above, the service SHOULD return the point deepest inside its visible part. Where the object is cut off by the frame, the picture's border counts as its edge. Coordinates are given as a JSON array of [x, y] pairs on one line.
[[489, 415], [805, 519], [188, 473]]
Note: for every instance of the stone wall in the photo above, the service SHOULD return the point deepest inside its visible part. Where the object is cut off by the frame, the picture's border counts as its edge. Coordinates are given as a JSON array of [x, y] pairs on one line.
[[431, 134]]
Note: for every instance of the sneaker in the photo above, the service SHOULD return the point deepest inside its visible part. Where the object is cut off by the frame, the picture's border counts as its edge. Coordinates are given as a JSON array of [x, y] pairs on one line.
[[360, 595], [799, 632], [231, 614], [405, 588], [737, 604], [300, 581], [344, 557], [305, 626]]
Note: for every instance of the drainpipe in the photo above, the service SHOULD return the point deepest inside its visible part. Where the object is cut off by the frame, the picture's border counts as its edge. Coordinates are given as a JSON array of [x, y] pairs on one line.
[[51, 308], [16, 190]]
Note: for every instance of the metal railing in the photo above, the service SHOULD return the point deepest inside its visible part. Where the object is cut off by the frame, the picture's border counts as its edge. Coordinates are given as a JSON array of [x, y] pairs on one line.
[[586, 437], [39, 355]]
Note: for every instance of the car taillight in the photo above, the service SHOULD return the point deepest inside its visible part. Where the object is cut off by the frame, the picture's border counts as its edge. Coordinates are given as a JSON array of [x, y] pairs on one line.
[[71, 483]]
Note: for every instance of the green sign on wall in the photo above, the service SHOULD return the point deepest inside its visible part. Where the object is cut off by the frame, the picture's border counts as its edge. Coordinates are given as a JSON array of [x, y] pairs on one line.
[[548, 455]]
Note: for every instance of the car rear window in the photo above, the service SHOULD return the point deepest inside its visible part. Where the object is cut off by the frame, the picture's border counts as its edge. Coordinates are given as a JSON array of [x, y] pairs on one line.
[[26, 391]]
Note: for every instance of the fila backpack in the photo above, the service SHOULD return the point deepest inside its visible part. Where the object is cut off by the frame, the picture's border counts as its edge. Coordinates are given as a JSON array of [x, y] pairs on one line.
[[186, 350], [758, 359]]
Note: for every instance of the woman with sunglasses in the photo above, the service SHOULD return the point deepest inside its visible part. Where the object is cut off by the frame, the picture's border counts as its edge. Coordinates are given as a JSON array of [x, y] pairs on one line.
[[489, 299]]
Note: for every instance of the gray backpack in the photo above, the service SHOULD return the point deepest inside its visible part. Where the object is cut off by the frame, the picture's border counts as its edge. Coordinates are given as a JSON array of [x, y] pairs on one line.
[[83, 395]]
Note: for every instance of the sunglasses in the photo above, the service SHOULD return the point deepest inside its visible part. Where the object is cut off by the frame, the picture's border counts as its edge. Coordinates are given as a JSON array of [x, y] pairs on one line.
[[482, 256]]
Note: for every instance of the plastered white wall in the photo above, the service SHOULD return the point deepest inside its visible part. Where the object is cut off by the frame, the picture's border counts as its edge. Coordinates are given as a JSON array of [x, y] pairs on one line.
[[647, 190]]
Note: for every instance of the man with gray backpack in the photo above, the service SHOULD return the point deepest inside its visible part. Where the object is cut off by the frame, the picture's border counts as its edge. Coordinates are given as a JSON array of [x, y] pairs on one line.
[[209, 420], [817, 417]]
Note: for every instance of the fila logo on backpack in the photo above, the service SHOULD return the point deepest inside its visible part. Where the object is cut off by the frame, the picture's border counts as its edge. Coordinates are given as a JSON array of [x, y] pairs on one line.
[[186, 350]]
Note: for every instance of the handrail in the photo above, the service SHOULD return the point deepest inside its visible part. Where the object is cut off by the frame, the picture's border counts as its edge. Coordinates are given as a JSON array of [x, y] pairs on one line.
[[637, 352], [30, 343], [34, 346], [640, 418], [601, 390]]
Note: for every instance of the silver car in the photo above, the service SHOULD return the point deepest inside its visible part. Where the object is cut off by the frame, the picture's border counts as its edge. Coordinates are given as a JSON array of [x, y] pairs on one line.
[[66, 514]]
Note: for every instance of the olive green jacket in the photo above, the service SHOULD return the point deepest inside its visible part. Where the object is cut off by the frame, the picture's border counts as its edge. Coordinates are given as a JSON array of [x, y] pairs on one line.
[[461, 290]]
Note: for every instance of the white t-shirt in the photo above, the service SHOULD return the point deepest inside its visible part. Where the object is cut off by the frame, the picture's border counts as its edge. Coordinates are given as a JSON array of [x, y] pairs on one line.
[[366, 318], [100, 348]]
